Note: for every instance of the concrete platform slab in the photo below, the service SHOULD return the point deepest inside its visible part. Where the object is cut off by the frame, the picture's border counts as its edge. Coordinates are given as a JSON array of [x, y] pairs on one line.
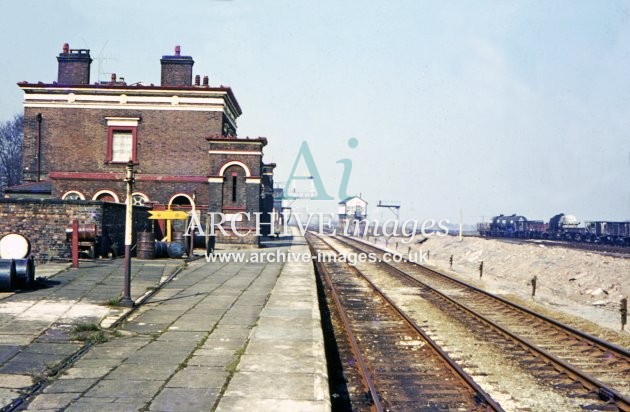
[[127, 388], [87, 404], [184, 400], [15, 381], [198, 377], [53, 401], [70, 385], [296, 386], [236, 404]]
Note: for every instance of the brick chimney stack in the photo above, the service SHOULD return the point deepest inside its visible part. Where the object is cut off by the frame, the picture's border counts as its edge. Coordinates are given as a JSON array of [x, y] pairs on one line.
[[74, 66], [177, 69]]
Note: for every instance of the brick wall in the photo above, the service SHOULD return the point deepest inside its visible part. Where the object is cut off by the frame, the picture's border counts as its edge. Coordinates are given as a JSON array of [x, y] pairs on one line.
[[253, 161], [170, 143], [176, 71], [73, 69], [157, 191], [44, 223]]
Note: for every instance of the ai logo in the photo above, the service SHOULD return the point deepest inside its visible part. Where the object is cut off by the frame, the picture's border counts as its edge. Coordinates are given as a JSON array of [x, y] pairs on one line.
[[321, 194]]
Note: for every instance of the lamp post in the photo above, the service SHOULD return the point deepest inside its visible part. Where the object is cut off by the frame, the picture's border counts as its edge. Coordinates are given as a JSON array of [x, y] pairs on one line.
[[129, 179]]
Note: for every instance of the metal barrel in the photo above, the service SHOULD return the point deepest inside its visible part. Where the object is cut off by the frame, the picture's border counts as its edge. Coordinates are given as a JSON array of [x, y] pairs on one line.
[[14, 246], [7, 275], [178, 237], [200, 241], [146, 245], [175, 250], [25, 273], [87, 233], [161, 249]]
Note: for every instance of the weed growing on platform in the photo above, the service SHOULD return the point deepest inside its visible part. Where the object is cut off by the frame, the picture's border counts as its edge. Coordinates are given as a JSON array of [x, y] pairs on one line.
[[89, 333], [231, 368], [115, 302]]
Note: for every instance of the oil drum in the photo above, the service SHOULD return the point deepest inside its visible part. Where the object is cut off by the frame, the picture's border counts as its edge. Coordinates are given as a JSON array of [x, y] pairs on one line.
[[146, 245], [87, 233], [25, 273], [7, 275], [14, 246], [161, 249], [175, 250], [177, 237]]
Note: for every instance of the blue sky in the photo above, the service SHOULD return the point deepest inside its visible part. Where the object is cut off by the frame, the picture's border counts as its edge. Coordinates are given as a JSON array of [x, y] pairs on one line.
[[487, 107]]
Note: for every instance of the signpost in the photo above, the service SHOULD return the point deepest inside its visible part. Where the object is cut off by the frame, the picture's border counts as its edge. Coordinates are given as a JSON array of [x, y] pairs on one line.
[[168, 214]]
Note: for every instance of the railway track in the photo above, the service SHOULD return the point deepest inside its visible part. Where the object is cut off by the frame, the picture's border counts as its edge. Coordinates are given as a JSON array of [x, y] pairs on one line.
[[401, 367], [579, 364]]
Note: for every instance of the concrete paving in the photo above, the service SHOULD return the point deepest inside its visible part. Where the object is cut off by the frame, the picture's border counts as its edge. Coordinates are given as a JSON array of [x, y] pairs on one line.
[[36, 327], [284, 366], [219, 336]]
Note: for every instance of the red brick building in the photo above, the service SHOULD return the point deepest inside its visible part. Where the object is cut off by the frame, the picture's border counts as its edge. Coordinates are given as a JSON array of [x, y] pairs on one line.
[[181, 136]]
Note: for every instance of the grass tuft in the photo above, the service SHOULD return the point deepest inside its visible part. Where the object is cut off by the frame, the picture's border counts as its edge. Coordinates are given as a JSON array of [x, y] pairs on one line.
[[113, 302], [89, 333]]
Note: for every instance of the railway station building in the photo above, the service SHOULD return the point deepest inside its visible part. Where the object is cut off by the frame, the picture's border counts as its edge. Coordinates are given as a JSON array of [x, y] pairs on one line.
[[180, 135]]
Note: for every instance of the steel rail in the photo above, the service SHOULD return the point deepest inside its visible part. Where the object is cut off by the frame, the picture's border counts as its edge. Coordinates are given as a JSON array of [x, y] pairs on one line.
[[480, 395], [356, 351], [589, 382]]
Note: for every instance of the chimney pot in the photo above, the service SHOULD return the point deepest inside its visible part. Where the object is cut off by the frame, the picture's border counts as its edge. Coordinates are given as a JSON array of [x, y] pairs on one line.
[[177, 50], [66, 48], [113, 77], [197, 80], [205, 81]]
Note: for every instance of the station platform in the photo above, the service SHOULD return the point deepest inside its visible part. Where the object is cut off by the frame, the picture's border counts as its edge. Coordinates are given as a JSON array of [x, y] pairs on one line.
[[220, 335]]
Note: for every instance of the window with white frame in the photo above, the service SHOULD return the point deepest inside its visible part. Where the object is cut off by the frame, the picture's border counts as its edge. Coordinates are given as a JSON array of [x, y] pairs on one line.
[[73, 195], [122, 139], [139, 199]]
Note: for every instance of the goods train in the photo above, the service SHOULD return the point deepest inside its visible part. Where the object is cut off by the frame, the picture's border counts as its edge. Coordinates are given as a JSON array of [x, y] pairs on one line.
[[560, 227]]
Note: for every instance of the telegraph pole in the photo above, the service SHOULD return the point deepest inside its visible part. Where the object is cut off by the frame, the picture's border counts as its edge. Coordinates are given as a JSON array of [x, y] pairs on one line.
[[129, 179]]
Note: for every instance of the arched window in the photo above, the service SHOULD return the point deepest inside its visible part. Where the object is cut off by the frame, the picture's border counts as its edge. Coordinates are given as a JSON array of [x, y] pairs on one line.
[[181, 200], [73, 195], [106, 196], [139, 199], [234, 190]]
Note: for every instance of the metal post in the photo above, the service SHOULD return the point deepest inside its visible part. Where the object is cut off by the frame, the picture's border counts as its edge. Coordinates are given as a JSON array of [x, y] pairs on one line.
[[624, 312], [481, 269], [75, 244], [451, 261], [533, 283], [192, 243], [129, 179]]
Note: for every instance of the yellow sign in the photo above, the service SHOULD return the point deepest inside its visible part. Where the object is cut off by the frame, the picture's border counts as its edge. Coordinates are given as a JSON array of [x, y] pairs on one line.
[[168, 214]]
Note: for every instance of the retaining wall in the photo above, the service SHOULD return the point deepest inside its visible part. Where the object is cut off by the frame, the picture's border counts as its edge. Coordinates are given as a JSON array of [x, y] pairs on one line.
[[44, 221]]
